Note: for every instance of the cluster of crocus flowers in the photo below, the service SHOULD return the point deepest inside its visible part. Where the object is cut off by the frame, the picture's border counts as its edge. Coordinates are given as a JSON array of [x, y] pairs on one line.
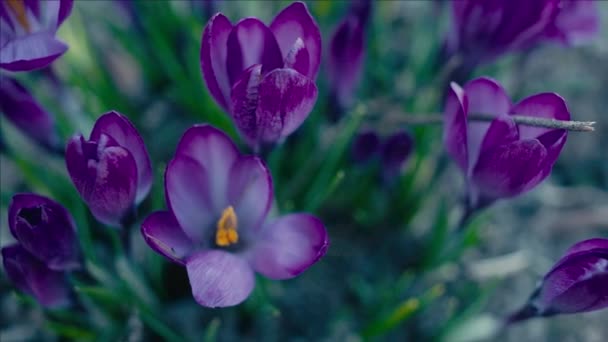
[[347, 55], [28, 27], [264, 76], [112, 170], [484, 30], [392, 150], [578, 282], [500, 158], [217, 224], [46, 249]]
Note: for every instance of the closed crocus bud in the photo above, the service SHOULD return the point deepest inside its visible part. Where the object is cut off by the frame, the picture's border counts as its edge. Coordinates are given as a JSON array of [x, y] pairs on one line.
[[20, 107], [577, 283], [346, 54], [33, 277], [28, 30], [111, 170], [263, 75], [394, 152], [500, 158], [46, 230]]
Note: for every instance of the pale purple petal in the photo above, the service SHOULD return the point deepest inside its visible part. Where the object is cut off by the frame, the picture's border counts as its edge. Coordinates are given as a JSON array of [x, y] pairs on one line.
[[65, 8], [298, 57], [245, 101], [30, 52], [125, 134], [163, 234], [213, 56], [296, 22], [455, 126], [251, 42], [250, 191], [289, 245], [219, 278], [577, 22]]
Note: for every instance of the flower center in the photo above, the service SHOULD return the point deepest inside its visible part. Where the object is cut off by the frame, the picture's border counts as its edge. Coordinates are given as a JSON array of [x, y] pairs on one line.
[[34, 216], [226, 233], [18, 8]]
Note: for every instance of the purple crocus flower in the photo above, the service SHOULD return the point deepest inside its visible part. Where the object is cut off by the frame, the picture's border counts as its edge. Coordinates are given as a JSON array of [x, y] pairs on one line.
[[26, 113], [217, 225], [263, 75], [484, 30], [112, 170], [577, 283], [34, 277], [27, 33], [347, 53], [500, 158], [46, 230]]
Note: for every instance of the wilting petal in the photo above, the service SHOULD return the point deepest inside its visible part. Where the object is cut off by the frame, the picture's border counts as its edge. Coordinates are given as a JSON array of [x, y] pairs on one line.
[[365, 145], [30, 52], [577, 22], [45, 229], [285, 100], [509, 169], [545, 105], [219, 279], [123, 132], [26, 113], [289, 245], [213, 56], [33, 277], [296, 22], [455, 126], [250, 191], [115, 186], [245, 101], [485, 96], [216, 153], [164, 235], [251, 42], [187, 187]]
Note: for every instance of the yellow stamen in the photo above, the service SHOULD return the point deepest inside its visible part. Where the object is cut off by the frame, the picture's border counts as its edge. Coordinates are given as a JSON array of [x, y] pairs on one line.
[[18, 8], [226, 233]]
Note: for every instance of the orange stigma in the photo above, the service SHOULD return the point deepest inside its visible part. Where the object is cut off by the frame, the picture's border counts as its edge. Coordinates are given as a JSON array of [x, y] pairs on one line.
[[18, 8], [226, 233]]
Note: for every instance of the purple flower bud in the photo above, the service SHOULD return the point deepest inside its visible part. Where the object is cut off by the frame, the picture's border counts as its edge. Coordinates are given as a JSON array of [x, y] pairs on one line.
[[217, 224], [28, 30], [112, 170], [501, 159], [394, 152], [577, 283], [26, 113], [484, 30], [263, 75], [46, 230], [33, 277], [366, 145]]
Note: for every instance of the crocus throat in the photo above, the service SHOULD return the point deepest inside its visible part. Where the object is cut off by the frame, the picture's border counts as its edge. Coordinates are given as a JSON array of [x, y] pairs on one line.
[[19, 10], [226, 233], [34, 216]]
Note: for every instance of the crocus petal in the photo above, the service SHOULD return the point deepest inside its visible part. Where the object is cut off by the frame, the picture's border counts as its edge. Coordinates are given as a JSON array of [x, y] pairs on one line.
[[289, 245], [82, 174], [298, 57], [216, 153], [500, 131], [285, 100], [164, 235], [250, 191], [577, 22], [245, 101], [545, 105], [509, 169], [115, 186], [33, 51], [33, 277], [251, 42], [26, 113], [123, 132], [65, 8], [485, 96], [582, 247], [455, 125], [187, 187], [296, 22], [219, 278], [213, 56], [45, 229]]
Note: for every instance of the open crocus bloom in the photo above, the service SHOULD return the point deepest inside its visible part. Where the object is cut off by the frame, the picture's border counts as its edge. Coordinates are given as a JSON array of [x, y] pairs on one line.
[[112, 170], [217, 224], [263, 76], [501, 159], [27, 33]]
